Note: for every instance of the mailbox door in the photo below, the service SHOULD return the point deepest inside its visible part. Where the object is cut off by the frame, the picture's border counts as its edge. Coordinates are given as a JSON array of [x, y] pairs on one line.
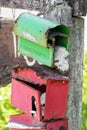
[[56, 99], [35, 51], [24, 96]]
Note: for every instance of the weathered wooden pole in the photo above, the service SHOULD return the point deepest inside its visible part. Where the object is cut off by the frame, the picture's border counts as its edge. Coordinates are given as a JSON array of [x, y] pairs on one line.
[[60, 11], [75, 74]]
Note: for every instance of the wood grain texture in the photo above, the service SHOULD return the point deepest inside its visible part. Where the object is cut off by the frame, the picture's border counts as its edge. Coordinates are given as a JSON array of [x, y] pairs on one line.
[[79, 7]]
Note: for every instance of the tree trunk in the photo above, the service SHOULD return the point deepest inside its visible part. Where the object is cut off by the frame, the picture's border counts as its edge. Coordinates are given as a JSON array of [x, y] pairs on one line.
[[62, 13]]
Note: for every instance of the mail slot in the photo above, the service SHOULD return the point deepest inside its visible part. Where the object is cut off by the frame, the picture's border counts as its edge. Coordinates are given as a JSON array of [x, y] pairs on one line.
[[38, 37]]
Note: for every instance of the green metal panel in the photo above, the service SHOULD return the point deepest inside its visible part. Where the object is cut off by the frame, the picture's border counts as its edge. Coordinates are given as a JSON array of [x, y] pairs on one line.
[[42, 54], [37, 37]]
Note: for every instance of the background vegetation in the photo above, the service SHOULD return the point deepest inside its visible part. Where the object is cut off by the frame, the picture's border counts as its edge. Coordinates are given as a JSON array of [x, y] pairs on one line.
[[6, 109], [84, 94]]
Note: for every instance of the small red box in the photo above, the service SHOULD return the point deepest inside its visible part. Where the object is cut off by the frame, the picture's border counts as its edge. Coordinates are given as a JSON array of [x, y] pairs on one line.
[[24, 93]]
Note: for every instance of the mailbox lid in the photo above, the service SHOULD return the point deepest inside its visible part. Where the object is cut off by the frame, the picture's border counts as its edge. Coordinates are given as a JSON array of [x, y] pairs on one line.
[[56, 99], [22, 96], [39, 53], [36, 29]]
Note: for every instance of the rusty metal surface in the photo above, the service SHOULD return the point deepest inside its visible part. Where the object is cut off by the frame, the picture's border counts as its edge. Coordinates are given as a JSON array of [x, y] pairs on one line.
[[41, 73], [28, 75]]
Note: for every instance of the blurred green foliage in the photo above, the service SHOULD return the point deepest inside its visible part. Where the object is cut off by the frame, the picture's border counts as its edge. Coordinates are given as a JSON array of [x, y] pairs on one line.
[[84, 94], [6, 109]]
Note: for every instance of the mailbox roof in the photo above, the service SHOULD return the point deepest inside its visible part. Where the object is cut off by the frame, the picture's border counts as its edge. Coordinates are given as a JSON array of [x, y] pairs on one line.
[[36, 28]]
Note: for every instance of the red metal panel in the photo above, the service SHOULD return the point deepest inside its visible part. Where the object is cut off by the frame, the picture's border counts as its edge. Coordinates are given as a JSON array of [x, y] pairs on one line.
[[21, 97], [56, 99], [58, 125], [29, 75]]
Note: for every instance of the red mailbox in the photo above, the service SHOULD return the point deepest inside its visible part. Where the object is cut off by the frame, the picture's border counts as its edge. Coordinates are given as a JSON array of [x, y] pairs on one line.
[[26, 95]]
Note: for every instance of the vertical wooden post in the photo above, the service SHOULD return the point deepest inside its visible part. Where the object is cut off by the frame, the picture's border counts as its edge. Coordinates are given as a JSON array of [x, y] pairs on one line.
[[75, 74], [62, 13]]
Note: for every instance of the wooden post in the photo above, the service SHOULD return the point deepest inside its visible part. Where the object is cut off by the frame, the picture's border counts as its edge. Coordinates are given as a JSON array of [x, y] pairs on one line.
[[75, 74], [62, 12]]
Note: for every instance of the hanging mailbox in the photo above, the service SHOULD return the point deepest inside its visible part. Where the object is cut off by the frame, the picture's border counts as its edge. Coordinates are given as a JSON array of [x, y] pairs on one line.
[[38, 37], [34, 98]]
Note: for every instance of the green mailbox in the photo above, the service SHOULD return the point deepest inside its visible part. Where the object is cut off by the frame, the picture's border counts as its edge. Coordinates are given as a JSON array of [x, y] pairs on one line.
[[38, 37]]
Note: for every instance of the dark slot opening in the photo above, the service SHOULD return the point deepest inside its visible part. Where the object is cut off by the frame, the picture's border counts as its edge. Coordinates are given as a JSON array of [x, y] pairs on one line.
[[62, 128], [41, 88], [51, 41], [34, 109]]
